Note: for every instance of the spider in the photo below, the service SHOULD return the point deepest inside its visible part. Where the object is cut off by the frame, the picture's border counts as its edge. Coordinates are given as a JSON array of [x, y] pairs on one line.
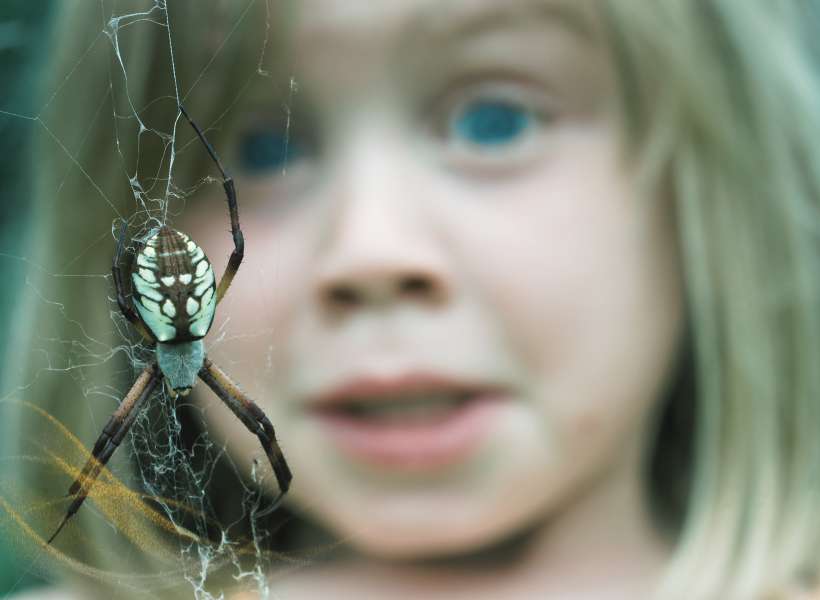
[[173, 306]]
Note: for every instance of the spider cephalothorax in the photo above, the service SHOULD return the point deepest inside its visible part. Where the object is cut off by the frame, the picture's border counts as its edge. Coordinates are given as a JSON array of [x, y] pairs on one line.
[[172, 304]]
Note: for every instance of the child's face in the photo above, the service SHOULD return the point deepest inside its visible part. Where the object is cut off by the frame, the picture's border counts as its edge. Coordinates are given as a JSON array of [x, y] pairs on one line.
[[452, 306]]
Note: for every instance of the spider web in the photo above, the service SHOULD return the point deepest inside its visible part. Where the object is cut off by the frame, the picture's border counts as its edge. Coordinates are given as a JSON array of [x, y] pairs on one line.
[[174, 472]]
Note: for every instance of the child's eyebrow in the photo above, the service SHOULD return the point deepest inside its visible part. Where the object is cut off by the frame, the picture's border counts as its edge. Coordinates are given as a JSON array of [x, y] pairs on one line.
[[469, 18]]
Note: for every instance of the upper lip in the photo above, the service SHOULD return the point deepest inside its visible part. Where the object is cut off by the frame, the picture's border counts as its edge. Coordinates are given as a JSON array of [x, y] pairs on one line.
[[379, 387]]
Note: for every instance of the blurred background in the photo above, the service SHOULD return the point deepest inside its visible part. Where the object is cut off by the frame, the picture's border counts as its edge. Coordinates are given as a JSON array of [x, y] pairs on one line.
[[24, 42]]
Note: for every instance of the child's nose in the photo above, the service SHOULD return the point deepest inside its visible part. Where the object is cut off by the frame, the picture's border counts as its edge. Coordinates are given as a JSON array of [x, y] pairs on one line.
[[380, 247]]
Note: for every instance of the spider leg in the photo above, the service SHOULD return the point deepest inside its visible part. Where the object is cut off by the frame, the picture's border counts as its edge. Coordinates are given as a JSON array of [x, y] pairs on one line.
[[252, 416], [116, 271], [110, 439], [230, 192]]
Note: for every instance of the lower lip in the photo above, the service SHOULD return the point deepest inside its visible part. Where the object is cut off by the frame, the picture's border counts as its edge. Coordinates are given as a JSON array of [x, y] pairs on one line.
[[442, 442]]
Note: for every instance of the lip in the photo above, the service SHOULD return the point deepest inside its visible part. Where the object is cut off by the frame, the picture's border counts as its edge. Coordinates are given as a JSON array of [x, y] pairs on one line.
[[444, 440]]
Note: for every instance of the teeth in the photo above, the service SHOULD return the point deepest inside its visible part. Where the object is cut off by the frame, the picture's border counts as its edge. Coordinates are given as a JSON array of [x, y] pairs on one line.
[[402, 409]]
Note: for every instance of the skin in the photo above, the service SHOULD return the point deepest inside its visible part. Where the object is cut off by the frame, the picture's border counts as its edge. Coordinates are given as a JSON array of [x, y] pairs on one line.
[[542, 271]]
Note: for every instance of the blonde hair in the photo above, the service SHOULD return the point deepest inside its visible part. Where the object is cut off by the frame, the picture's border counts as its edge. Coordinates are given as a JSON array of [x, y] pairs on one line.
[[721, 103], [721, 107]]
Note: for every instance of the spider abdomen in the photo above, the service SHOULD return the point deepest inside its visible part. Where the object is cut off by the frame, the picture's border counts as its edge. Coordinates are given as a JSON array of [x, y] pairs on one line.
[[174, 287]]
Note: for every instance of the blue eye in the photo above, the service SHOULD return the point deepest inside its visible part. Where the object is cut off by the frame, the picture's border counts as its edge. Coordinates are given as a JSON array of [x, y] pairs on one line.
[[492, 122], [262, 151]]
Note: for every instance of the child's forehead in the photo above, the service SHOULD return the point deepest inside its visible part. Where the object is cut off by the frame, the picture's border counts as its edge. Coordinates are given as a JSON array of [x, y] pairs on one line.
[[348, 50], [329, 21]]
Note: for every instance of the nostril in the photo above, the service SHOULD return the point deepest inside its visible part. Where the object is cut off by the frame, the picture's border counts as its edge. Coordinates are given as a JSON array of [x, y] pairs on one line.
[[415, 285], [350, 293], [341, 295]]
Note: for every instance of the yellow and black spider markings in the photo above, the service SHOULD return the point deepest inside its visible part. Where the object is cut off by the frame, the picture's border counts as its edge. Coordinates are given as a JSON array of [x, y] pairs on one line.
[[174, 286]]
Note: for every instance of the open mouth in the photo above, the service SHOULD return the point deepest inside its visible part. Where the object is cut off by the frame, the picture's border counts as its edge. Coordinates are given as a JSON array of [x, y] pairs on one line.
[[415, 421], [409, 409]]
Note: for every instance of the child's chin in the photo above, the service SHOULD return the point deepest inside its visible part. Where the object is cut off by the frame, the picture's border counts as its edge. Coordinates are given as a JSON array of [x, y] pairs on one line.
[[425, 543]]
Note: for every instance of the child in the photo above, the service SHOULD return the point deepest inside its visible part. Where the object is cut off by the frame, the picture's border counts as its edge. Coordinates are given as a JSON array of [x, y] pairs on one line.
[[529, 288]]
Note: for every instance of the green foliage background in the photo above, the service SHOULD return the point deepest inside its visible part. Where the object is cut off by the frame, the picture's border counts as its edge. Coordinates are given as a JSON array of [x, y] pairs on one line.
[[24, 44]]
